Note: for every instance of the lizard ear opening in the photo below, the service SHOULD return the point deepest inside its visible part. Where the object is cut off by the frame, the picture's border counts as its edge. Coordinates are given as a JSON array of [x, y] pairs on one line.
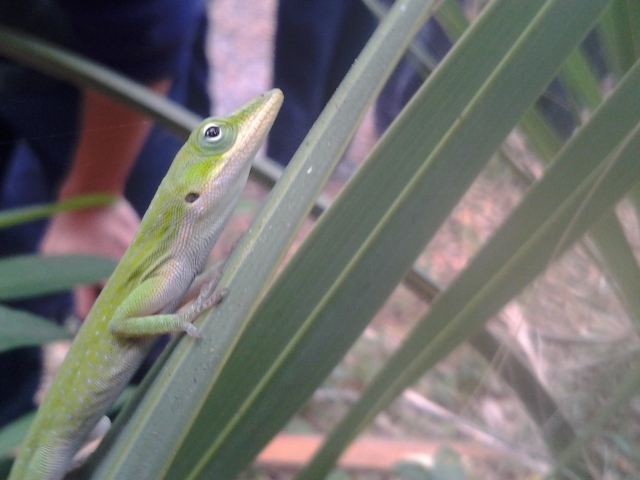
[[191, 197]]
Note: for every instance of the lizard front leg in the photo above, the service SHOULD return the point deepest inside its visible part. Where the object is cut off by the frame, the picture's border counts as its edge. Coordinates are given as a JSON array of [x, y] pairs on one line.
[[129, 321]]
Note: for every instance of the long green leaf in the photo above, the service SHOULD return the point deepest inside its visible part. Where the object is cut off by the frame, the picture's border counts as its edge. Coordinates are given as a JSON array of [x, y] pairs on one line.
[[617, 256], [607, 237], [11, 436], [192, 370], [517, 253], [23, 329], [333, 285], [620, 28], [544, 140], [9, 218], [25, 276], [579, 78]]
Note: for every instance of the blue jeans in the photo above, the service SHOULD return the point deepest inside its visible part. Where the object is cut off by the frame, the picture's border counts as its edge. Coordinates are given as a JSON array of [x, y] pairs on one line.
[[316, 44]]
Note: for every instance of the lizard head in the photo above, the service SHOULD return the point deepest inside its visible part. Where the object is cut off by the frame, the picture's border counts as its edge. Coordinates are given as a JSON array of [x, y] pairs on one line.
[[220, 151], [210, 171]]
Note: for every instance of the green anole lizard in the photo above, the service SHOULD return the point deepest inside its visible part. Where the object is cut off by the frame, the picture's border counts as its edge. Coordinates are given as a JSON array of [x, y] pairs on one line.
[[159, 269]]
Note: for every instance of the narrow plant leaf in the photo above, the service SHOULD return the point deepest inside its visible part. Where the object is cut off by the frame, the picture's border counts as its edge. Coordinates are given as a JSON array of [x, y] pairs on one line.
[[540, 137], [23, 329], [452, 20], [344, 271], [621, 34], [543, 140], [9, 218], [617, 256], [517, 253], [25, 276], [163, 419], [578, 77], [607, 239], [12, 435]]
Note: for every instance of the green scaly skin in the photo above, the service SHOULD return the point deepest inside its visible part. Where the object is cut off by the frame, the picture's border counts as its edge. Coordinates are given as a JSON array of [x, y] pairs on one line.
[[187, 214]]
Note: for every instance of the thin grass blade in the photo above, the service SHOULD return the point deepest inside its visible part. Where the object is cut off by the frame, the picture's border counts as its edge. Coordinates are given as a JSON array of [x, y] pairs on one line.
[[9, 218]]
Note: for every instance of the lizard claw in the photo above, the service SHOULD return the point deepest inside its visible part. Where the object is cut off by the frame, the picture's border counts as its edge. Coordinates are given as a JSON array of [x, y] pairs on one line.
[[191, 330], [208, 288], [206, 299]]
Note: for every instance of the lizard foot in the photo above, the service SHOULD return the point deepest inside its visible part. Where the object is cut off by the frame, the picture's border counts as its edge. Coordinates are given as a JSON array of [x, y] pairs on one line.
[[206, 299]]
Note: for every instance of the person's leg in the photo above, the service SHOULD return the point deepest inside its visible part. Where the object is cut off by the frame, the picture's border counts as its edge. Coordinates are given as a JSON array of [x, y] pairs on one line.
[[316, 43], [356, 27], [20, 371], [45, 110], [405, 80]]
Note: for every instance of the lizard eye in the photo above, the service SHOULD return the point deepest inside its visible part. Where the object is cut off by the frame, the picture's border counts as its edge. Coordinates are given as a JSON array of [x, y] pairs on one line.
[[191, 197], [216, 135], [212, 133]]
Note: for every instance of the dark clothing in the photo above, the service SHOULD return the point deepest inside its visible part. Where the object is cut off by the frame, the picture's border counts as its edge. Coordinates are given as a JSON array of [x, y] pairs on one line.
[[316, 44], [147, 40], [405, 82]]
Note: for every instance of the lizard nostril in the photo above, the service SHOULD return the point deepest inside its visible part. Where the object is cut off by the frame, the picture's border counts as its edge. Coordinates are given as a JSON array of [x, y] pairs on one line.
[[191, 197]]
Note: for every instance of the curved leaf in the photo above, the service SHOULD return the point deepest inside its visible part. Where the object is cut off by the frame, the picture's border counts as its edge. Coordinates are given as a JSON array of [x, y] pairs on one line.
[[9, 218], [25, 276], [23, 329]]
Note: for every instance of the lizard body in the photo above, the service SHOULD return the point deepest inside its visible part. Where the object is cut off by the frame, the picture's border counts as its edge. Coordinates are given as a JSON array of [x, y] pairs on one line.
[[187, 214]]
